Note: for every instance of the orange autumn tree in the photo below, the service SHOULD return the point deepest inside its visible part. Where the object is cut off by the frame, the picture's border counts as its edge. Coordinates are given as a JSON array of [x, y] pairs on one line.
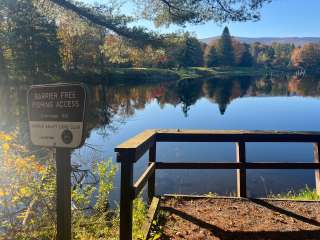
[[117, 51], [307, 56]]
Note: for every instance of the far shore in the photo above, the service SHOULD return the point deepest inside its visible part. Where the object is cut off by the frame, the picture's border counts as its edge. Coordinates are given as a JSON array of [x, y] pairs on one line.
[[132, 76]]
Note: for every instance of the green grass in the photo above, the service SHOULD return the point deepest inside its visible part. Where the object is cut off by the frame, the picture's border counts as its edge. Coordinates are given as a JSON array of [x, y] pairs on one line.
[[305, 194], [156, 231], [115, 76], [140, 75], [149, 75], [229, 71], [302, 194]]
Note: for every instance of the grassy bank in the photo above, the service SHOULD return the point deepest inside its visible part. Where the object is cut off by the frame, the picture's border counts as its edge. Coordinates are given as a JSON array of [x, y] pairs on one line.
[[116, 76], [302, 194], [140, 75], [147, 75], [305, 194], [228, 71]]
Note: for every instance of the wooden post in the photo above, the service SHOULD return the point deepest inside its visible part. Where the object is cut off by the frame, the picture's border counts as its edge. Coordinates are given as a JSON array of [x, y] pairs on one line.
[[316, 153], [63, 164], [152, 178], [126, 196], [241, 173]]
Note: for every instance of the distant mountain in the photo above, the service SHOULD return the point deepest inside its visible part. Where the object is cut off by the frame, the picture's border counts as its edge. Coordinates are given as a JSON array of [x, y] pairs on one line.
[[298, 41]]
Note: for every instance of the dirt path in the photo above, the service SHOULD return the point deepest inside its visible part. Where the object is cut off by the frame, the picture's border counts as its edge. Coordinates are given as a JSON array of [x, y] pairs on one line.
[[241, 219]]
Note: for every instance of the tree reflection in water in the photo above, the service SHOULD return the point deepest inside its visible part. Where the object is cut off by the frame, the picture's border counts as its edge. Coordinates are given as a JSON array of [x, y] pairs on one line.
[[110, 106]]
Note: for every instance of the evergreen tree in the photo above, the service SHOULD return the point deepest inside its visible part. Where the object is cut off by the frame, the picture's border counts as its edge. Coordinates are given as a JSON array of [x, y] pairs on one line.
[[211, 56], [185, 50], [225, 49], [32, 39], [193, 52], [246, 59]]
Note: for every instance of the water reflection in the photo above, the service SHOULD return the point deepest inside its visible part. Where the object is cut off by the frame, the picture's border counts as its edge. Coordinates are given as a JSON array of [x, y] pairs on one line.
[[119, 112], [124, 101], [111, 106]]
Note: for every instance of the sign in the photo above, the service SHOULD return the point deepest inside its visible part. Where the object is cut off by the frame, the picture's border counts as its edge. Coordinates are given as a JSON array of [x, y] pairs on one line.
[[56, 115]]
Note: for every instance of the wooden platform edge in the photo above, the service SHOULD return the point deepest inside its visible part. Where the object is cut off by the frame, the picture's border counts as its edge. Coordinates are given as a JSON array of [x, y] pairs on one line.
[[186, 196], [152, 212]]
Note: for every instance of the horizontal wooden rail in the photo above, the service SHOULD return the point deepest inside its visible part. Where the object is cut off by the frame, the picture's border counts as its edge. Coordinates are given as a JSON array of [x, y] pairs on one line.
[[235, 136], [138, 145], [247, 165], [139, 184]]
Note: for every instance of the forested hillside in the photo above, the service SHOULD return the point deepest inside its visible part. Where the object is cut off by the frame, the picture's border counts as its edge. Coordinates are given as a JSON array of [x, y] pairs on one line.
[[297, 41]]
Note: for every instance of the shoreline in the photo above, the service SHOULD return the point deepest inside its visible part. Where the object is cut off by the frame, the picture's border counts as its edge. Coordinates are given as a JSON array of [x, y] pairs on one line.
[[120, 76]]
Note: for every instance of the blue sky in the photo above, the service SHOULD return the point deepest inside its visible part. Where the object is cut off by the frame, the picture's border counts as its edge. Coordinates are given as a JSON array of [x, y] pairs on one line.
[[280, 18]]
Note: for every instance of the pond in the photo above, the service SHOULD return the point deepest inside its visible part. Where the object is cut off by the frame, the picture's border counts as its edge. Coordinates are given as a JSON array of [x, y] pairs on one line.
[[246, 103]]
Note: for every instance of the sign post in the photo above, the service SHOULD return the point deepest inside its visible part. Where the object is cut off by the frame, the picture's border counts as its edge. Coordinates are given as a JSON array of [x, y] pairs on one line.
[[63, 198], [56, 119]]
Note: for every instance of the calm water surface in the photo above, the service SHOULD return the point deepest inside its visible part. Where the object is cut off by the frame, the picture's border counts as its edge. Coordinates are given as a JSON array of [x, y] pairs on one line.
[[117, 113]]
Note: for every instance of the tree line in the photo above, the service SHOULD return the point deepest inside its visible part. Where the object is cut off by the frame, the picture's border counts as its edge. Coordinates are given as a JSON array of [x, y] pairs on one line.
[[227, 51], [35, 41]]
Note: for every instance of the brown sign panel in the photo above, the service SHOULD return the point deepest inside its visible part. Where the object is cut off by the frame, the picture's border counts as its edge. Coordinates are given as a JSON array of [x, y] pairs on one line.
[[56, 114]]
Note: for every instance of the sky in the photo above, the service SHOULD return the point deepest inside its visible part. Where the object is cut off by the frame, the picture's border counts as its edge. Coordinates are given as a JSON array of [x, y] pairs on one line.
[[280, 18]]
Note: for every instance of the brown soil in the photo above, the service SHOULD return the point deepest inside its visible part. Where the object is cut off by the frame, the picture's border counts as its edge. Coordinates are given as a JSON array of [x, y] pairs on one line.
[[240, 219]]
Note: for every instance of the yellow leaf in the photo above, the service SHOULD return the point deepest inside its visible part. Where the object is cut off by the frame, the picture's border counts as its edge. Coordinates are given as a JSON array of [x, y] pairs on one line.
[[5, 147], [25, 191], [2, 193], [40, 168], [5, 137]]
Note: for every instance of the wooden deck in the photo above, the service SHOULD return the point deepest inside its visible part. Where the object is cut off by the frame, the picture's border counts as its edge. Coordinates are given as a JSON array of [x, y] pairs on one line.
[[223, 218], [133, 149]]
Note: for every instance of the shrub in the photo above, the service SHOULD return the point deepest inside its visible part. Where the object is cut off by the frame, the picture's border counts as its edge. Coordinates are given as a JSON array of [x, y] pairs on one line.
[[27, 198]]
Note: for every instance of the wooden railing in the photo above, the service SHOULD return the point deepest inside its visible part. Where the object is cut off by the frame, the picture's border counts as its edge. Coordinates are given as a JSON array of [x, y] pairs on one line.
[[132, 150]]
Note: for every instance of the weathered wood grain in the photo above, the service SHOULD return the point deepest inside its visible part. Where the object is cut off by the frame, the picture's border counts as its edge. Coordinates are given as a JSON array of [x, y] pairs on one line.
[[152, 177], [316, 151], [176, 135], [241, 173], [139, 184], [154, 206], [136, 146]]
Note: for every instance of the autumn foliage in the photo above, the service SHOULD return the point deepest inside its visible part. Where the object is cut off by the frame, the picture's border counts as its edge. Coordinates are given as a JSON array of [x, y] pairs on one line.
[[307, 56], [27, 197], [26, 192]]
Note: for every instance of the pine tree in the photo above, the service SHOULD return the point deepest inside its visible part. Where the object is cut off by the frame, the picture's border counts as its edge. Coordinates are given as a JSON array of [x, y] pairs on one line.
[[246, 59], [224, 49], [186, 50], [32, 39], [211, 56], [193, 52]]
